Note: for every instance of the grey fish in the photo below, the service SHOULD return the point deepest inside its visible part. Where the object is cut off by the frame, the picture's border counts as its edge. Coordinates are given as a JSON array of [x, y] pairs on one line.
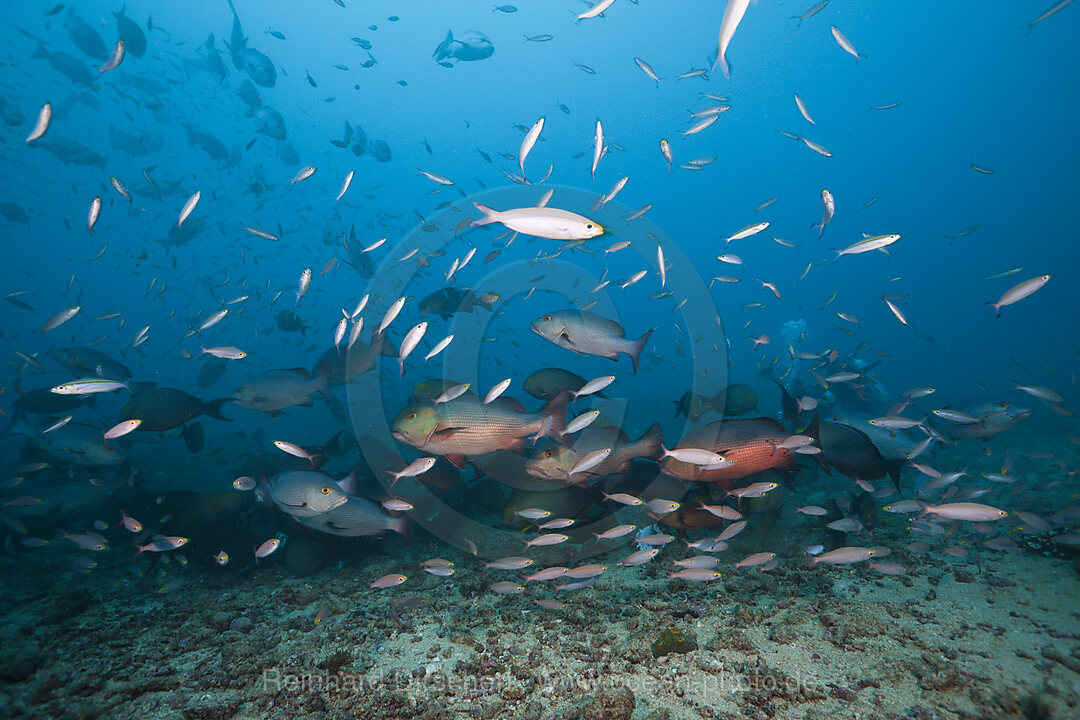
[[288, 154], [69, 151], [70, 67], [465, 426], [133, 144], [87, 362], [380, 151], [993, 416], [85, 37], [12, 212], [278, 390], [129, 31], [77, 444], [213, 58], [304, 493], [211, 371], [270, 122], [554, 462], [213, 147], [892, 444], [588, 334], [467, 47], [357, 517]]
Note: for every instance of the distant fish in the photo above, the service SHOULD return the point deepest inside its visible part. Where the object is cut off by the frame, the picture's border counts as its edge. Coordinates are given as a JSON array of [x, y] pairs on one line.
[[189, 206], [648, 70], [42, 125], [115, 58], [844, 43], [828, 206], [1052, 10], [814, 10]]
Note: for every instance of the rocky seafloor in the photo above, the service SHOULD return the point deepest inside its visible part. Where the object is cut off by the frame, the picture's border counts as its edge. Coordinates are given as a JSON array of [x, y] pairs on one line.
[[950, 639]]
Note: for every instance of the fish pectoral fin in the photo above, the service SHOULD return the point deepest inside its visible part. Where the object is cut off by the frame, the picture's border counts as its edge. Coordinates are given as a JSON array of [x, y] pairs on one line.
[[447, 432], [457, 461]]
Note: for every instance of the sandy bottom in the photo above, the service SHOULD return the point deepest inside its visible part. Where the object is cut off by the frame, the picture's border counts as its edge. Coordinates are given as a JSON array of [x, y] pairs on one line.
[[948, 640]]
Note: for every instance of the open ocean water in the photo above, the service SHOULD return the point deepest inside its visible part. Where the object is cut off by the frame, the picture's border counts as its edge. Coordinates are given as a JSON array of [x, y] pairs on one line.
[[652, 359]]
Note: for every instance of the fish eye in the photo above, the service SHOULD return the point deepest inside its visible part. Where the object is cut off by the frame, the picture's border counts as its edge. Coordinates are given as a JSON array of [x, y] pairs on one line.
[[547, 453], [324, 490], [412, 416], [546, 318], [588, 226]]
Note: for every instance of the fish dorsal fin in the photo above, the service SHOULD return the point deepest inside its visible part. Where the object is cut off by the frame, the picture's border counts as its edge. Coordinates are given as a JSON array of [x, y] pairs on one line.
[[349, 484]]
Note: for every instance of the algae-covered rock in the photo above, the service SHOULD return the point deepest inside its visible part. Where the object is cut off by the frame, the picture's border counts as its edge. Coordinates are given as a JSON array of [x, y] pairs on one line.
[[674, 640]]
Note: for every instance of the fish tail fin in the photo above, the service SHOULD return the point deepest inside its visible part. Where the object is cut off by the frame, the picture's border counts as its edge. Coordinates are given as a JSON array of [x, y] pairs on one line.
[[637, 346], [443, 50], [557, 410], [322, 379], [838, 253], [403, 526], [489, 215], [40, 51], [719, 56], [652, 440], [213, 408], [997, 308]]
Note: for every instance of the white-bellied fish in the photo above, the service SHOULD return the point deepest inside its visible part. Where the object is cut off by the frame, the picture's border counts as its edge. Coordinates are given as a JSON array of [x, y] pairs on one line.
[[733, 15]]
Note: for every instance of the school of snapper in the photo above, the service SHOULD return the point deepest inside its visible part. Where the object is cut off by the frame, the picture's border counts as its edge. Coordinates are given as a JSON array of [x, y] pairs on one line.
[[717, 475]]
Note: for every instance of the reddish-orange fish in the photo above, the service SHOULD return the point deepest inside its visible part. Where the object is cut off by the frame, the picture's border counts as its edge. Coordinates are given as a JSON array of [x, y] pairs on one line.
[[752, 444]]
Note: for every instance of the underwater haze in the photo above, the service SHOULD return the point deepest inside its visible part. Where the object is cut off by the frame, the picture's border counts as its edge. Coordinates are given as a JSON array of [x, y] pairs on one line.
[[651, 359]]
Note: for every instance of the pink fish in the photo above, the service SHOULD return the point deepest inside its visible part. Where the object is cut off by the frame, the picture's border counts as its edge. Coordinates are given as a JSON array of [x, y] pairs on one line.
[[130, 523], [974, 512], [388, 581], [267, 548], [162, 543], [695, 575], [845, 556], [756, 559]]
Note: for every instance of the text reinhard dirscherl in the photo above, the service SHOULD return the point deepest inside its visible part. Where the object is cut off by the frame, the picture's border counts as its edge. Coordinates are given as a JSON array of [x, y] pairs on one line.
[[704, 684]]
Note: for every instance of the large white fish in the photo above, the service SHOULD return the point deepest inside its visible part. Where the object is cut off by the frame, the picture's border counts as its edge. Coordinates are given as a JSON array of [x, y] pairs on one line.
[[189, 206], [550, 223], [596, 9], [412, 339], [844, 43], [1019, 292], [527, 144], [115, 58], [598, 146], [872, 243], [93, 215], [828, 206], [803, 109], [42, 126], [733, 15], [345, 185], [648, 70]]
